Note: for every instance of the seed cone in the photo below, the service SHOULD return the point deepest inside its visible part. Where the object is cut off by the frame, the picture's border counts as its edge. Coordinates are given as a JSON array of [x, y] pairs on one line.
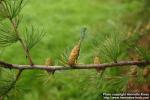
[[146, 72], [97, 61], [133, 70], [74, 54], [73, 57]]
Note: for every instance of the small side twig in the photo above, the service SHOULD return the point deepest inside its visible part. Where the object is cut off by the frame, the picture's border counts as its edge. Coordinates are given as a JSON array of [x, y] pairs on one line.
[[10, 65], [22, 43]]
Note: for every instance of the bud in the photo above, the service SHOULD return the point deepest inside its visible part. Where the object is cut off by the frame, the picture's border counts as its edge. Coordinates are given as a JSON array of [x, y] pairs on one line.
[[1, 98], [146, 88], [130, 83], [148, 26], [129, 33], [133, 70], [146, 72], [97, 61], [48, 62]]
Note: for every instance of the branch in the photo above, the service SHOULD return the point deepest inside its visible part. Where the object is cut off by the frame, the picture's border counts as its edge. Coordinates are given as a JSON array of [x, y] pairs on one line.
[[22, 43], [78, 66], [27, 54], [25, 49]]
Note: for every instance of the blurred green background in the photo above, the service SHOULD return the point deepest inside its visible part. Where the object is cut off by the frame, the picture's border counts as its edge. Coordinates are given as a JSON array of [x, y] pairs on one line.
[[62, 21]]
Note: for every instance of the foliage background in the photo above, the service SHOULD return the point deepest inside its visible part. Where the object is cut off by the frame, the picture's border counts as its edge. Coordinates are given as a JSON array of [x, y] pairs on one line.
[[62, 21]]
